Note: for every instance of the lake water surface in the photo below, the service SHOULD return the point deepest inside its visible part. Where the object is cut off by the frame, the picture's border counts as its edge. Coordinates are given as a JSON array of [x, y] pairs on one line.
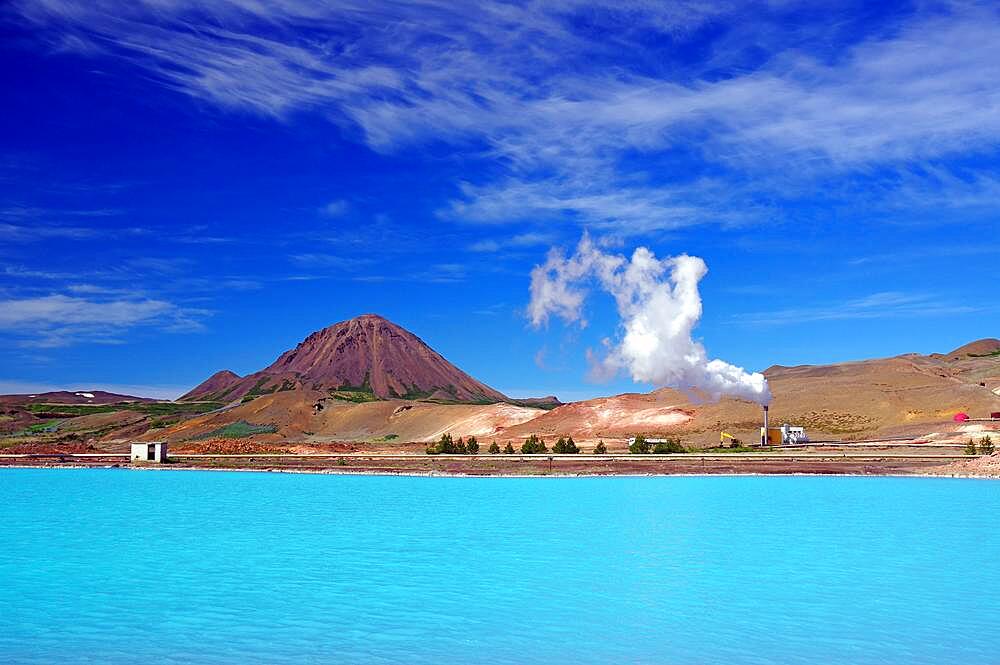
[[118, 566]]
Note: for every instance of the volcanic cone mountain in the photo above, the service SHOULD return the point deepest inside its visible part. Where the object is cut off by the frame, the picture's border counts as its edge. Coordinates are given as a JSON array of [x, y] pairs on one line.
[[364, 356]]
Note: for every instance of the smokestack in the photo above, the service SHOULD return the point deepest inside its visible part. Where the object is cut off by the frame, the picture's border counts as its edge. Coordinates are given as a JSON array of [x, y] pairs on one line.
[[763, 435]]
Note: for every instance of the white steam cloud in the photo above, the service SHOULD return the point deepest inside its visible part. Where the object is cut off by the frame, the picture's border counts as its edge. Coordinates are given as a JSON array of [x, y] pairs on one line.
[[659, 306]]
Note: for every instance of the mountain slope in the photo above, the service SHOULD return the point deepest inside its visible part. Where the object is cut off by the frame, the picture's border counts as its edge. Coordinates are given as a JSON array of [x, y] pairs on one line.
[[367, 355], [212, 387], [978, 349], [844, 400], [72, 397]]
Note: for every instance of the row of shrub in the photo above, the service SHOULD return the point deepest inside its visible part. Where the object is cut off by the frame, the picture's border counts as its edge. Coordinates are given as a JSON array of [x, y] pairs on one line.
[[535, 445], [986, 447], [448, 446]]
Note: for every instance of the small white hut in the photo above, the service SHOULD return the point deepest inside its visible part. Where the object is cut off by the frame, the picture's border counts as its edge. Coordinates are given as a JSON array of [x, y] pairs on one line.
[[153, 451]]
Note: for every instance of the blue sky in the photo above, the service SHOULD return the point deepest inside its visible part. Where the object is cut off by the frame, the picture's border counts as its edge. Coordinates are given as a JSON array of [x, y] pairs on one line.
[[188, 186]]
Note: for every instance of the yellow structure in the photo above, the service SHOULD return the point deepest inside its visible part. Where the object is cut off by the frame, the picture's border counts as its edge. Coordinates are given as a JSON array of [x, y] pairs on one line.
[[725, 437], [775, 436]]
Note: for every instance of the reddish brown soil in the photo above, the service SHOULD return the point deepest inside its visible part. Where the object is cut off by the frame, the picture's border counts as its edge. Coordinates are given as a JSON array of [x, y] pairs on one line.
[[910, 395], [981, 347], [500, 466], [986, 466], [213, 386], [49, 448], [250, 447]]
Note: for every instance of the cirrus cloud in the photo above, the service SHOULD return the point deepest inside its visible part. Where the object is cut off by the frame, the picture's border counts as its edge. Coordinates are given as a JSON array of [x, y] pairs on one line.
[[63, 320], [563, 114]]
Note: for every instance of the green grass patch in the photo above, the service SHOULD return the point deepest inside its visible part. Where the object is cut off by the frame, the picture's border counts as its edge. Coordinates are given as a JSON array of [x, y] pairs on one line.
[[259, 389], [159, 423], [240, 429], [149, 408], [176, 408], [985, 355], [39, 428], [365, 387], [481, 401], [35, 429], [356, 396], [412, 393]]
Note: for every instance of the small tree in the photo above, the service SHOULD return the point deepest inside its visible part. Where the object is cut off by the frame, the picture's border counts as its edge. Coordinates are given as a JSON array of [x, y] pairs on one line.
[[986, 446], [533, 445], [472, 446], [970, 447], [460, 447], [639, 446], [600, 448], [444, 446], [509, 450], [565, 446], [494, 448], [669, 447]]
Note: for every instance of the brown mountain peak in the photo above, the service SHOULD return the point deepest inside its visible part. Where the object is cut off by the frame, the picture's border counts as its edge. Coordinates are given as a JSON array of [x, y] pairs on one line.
[[981, 347], [367, 354], [214, 387]]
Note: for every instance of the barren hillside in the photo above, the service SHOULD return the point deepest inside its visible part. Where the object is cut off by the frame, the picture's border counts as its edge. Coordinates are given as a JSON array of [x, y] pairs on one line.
[[367, 355]]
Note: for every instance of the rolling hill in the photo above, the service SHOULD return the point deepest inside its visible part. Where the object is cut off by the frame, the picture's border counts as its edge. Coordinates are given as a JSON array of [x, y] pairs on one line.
[[369, 381]]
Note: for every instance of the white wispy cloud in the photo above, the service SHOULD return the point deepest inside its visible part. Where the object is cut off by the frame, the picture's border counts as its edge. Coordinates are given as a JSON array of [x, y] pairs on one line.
[[336, 208], [518, 241], [330, 261], [64, 320], [562, 111], [881, 305], [158, 264], [33, 212], [438, 273], [20, 272], [39, 232]]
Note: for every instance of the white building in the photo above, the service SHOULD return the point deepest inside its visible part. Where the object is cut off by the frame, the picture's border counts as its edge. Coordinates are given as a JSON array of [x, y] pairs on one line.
[[153, 451], [791, 434]]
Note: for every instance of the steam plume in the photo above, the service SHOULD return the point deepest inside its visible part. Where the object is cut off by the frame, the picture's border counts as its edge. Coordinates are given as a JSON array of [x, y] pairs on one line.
[[659, 306]]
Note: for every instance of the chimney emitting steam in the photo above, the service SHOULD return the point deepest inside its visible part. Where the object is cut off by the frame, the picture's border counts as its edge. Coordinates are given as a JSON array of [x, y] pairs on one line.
[[763, 434]]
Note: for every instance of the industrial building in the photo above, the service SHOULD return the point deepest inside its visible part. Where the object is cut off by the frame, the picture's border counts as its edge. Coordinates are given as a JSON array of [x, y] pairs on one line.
[[781, 436], [784, 435]]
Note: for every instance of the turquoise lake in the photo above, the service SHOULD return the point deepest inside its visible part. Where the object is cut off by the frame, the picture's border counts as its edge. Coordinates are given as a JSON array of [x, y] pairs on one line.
[[118, 566]]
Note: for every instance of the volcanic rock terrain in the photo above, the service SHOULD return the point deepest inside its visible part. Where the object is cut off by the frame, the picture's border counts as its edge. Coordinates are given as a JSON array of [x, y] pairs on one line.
[[367, 355]]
